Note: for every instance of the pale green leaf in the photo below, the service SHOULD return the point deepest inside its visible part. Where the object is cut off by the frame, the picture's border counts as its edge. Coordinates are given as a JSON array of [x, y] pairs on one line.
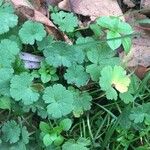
[[21, 89], [59, 100], [11, 131], [8, 51], [127, 43], [7, 18], [31, 32], [76, 75], [116, 43], [114, 78], [66, 124], [5, 77], [5, 103], [62, 54], [82, 103], [67, 22]]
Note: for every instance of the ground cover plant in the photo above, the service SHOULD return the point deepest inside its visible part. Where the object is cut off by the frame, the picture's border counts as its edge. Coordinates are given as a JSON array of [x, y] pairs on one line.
[[81, 96]]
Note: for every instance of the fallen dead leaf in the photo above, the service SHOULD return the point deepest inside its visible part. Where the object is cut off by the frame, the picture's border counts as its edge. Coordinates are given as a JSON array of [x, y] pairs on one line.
[[27, 10], [53, 2], [129, 3], [23, 6], [94, 8], [145, 4], [65, 5], [139, 57]]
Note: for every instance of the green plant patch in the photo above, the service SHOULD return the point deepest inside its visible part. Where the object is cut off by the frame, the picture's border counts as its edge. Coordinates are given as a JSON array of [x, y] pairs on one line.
[[76, 95]]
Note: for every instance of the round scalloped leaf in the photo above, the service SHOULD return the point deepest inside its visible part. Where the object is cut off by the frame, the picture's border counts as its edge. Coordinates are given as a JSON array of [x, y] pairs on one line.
[[45, 43], [59, 100], [80, 144], [8, 50], [67, 22], [11, 131], [62, 54], [76, 75], [94, 71], [7, 18], [82, 103], [120, 80], [21, 89], [5, 76], [114, 77], [31, 32]]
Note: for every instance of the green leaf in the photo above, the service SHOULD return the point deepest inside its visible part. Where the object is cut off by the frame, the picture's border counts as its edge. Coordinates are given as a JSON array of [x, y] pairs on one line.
[[47, 73], [32, 31], [125, 121], [85, 41], [66, 124], [5, 103], [115, 24], [114, 78], [127, 97], [5, 77], [48, 139], [59, 100], [76, 75], [11, 131], [108, 22], [116, 43], [102, 56], [111, 94], [82, 103], [124, 28], [59, 140], [44, 127], [81, 144], [94, 71], [141, 113], [8, 50], [60, 53], [67, 22], [25, 135], [21, 89], [45, 43], [96, 29], [127, 43], [7, 18], [137, 114]]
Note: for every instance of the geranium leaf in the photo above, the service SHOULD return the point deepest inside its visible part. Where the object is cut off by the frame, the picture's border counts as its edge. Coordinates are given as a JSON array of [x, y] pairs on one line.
[[7, 18], [11, 131], [32, 31], [114, 78], [21, 89], [62, 54], [76, 75], [59, 100], [67, 21]]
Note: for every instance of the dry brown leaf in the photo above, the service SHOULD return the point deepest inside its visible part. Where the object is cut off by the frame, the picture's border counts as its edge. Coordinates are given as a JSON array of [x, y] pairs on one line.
[[94, 8], [129, 3], [65, 5], [145, 4], [139, 57], [24, 7], [140, 52], [27, 10], [53, 2]]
